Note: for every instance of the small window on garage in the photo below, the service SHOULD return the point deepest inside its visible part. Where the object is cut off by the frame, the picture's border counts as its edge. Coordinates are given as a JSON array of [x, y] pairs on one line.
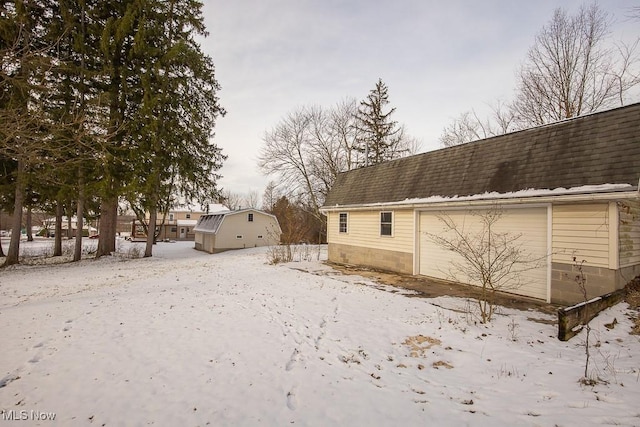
[[239, 236], [188, 216], [250, 217], [342, 222], [386, 223], [174, 230], [260, 236]]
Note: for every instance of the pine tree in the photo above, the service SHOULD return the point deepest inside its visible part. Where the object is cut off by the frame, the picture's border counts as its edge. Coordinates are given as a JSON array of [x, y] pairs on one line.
[[74, 104], [119, 86], [177, 112], [23, 128], [379, 136]]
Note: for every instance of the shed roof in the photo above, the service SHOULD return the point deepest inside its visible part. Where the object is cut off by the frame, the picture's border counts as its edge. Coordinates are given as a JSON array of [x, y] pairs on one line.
[[596, 149], [210, 223]]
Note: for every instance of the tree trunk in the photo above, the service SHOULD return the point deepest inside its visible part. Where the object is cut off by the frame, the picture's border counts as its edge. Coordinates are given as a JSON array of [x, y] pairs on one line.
[[57, 244], [108, 221], [69, 215], [151, 231], [14, 243], [57, 240], [1, 250], [29, 225], [77, 252]]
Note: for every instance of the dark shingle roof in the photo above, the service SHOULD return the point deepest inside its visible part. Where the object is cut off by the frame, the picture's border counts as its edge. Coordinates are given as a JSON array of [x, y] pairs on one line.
[[601, 148]]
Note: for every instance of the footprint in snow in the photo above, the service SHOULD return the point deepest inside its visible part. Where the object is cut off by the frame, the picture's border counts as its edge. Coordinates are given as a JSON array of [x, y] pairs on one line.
[[292, 402], [293, 360]]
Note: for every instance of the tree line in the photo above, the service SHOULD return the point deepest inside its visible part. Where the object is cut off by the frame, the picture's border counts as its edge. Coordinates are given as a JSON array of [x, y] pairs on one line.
[[102, 102]]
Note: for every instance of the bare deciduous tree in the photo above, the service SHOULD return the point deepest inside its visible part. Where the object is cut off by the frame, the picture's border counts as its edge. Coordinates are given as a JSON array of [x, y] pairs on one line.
[[231, 200], [572, 69], [270, 197], [305, 154], [468, 126], [491, 259], [309, 147], [343, 129], [251, 199]]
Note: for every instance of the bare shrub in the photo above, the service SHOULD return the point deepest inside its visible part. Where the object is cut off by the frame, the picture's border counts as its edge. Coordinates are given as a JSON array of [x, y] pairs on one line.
[[278, 254], [131, 251], [493, 260]]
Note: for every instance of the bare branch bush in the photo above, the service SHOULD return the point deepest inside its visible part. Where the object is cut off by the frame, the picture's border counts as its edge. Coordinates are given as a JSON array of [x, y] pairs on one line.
[[491, 259], [581, 281]]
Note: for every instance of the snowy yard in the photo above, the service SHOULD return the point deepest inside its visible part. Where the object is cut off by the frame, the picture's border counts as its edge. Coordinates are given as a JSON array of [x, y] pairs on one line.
[[188, 338]]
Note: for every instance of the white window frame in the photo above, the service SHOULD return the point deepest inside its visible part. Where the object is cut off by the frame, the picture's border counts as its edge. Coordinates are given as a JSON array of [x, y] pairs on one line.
[[250, 217], [346, 222], [389, 223]]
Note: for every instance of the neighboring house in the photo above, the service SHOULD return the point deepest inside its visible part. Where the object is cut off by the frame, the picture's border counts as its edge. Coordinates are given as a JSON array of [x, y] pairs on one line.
[[178, 225], [49, 226], [570, 188], [246, 228]]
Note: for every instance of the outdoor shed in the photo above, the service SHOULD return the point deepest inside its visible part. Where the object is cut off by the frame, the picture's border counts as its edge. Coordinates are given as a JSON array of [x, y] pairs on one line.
[[569, 189], [246, 228]]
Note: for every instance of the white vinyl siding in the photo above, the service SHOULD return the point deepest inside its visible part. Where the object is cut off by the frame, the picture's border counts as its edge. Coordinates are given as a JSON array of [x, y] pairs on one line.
[[581, 231], [234, 231], [629, 229], [364, 230], [531, 223]]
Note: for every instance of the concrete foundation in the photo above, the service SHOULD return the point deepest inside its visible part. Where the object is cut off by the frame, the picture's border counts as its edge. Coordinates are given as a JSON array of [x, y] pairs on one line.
[[599, 281], [399, 262]]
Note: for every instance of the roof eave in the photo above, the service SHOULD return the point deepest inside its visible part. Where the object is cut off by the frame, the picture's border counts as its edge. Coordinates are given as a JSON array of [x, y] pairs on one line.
[[631, 193]]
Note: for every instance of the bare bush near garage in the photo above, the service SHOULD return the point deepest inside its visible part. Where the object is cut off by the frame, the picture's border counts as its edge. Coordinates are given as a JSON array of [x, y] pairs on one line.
[[491, 259]]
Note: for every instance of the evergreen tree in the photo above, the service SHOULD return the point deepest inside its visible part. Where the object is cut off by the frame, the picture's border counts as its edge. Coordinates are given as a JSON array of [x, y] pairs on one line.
[[379, 137], [177, 112], [118, 87], [24, 131], [106, 98], [74, 104]]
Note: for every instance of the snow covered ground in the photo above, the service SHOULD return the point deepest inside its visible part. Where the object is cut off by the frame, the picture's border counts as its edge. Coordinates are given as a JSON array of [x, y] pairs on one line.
[[187, 338]]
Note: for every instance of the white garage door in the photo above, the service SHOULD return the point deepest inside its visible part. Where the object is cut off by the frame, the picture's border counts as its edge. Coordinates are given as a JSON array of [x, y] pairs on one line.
[[530, 223]]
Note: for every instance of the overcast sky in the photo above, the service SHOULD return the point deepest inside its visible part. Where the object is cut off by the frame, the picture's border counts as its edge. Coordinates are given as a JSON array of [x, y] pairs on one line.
[[438, 59]]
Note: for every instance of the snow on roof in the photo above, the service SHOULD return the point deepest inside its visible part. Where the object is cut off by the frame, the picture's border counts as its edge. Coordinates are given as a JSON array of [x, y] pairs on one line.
[[187, 222], [584, 189], [587, 151], [209, 223], [211, 208]]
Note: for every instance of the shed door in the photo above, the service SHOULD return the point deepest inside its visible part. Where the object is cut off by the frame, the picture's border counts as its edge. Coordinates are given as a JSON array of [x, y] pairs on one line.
[[530, 223]]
